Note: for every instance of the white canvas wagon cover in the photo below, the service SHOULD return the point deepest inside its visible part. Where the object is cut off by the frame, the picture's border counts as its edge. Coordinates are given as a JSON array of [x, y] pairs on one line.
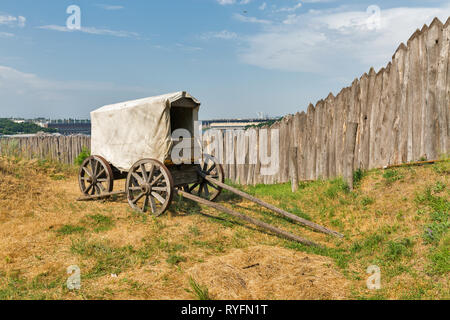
[[126, 132]]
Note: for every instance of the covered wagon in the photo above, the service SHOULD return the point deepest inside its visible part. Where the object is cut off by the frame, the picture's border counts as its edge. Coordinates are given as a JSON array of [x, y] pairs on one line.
[[133, 140]]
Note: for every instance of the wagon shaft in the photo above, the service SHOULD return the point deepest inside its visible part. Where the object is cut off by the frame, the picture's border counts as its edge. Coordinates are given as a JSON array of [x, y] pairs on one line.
[[256, 222], [305, 222]]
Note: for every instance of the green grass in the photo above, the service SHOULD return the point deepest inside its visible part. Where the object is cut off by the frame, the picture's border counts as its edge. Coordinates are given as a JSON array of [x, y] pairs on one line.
[[337, 186], [100, 223], [440, 258], [16, 287], [109, 260], [438, 208], [199, 291], [397, 249], [367, 201], [70, 229], [436, 203], [391, 175], [358, 175], [85, 153], [175, 259]]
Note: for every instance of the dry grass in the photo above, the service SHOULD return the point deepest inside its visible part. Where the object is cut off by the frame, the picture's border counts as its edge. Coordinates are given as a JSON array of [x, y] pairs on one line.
[[44, 230]]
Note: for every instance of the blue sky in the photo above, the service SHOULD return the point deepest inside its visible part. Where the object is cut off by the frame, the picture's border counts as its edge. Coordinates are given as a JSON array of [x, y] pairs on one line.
[[237, 57]]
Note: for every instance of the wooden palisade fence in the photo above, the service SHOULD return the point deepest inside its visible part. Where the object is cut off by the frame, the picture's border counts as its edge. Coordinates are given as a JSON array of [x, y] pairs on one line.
[[59, 148], [396, 115]]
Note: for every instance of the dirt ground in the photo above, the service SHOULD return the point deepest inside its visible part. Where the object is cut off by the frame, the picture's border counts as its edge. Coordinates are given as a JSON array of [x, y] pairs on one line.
[[126, 255]]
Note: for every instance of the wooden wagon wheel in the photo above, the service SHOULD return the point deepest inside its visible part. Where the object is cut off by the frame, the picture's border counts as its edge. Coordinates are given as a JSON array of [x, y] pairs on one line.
[[149, 185], [95, 176], [205, 189]]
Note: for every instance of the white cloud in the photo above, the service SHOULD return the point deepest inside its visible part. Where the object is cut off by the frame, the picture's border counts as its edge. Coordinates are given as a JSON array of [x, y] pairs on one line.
[[243, 18], [27, 94], [93, 30], [335, 41], [263, 6], [226, 2], [290, 9], [12, 21], [318, 1], [110, 7], [6, 35], [224, 34]]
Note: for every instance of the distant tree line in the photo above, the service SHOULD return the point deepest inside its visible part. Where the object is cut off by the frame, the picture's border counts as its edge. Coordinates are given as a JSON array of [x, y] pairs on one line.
[[8, 127], [262, 124]]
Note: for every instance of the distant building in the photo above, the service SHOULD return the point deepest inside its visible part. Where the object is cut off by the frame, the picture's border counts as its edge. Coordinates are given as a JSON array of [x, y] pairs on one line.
[[70, 127], [233, 124]]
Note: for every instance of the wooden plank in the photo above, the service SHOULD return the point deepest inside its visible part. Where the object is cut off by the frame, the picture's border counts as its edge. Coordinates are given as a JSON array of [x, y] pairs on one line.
[[266, 205], [256, 222]]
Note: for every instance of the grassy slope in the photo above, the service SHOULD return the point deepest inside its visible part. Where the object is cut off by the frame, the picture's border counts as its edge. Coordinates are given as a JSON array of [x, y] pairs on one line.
[[396, 219]]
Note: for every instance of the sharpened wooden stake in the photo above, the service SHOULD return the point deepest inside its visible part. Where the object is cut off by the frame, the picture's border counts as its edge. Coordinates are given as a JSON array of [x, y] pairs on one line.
[[293, 165], [305, 222], [256, 222]]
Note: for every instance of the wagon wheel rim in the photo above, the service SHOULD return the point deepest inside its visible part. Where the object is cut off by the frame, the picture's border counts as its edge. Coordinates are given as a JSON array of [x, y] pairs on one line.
[[149, 187], [95, 176], [204, 188]]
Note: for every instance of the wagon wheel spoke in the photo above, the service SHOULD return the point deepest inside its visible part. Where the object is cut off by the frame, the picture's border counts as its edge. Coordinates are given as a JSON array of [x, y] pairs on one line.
[[201, 188], [211, 169], [89, 188], [193, 187], [139, 197], [157, 179], [158, 197], [134, 188], [96, 168], [211, 185], [159, 188], [150, 174], [144, 172], [137, 177], [144, 207], [92, 164], [205, 187], [87, 171], [101, 187], [152, 204], [100, 173]]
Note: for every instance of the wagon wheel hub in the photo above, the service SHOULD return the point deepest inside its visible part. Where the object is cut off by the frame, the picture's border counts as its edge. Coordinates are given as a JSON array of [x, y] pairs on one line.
[[146, 188]]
